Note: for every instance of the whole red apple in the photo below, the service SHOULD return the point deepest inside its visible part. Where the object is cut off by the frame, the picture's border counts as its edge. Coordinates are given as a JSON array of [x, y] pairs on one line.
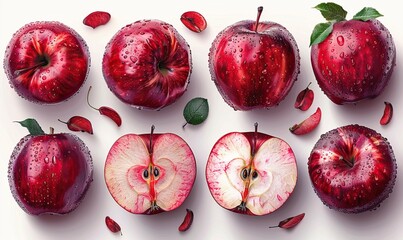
[[352, 169], [150, 173], [46, 62], [251, 172], [254, 64], [147, 64], [49, 173], [352, 59]]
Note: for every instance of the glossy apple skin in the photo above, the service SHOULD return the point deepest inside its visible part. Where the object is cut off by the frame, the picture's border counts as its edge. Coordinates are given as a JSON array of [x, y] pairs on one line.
[[147, 64], [56, 60], [360, 184], [355, 61], [50, 174], [254, 69]]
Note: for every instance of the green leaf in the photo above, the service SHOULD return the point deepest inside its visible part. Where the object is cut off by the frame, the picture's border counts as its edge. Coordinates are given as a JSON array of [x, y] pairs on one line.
[[33, 126], [366, 14], [196, 111], [332, 12], [320, 32]]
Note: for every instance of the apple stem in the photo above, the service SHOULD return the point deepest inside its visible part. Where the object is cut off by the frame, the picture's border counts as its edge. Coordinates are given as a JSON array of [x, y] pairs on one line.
[[254, 139], [51, 130], [62, 121], [150, 150], [273, 226], [88, 101], [259, 13], [349, 163], [308, 85], [39, 64]]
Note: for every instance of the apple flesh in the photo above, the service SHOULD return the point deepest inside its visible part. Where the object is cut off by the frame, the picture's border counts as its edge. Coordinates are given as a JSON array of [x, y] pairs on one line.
[[46, 62], [355, 61], [150, 173], [147, 64], [251, 172], [352, 169], [254, 64], [50, 174]]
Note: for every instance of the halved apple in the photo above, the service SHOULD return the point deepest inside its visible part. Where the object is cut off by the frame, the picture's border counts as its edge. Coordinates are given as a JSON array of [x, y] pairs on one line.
[[150, 173], [251, 172]]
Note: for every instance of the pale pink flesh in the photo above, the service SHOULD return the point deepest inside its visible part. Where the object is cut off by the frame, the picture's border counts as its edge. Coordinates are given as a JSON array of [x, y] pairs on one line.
[[277, 173], [129, 157]]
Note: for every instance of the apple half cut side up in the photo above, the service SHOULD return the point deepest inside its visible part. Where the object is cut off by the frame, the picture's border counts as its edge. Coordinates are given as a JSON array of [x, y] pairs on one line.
[[251, 173], [148, 174]]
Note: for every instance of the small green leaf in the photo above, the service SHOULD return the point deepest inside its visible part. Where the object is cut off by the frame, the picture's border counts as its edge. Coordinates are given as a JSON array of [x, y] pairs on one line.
[[332, 12], [196, 111], [366, 14], [33, 126], [320, 32]]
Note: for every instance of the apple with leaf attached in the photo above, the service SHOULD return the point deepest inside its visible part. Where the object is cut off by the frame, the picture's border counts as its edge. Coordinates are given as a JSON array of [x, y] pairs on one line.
[[352, 59], [49, 173]]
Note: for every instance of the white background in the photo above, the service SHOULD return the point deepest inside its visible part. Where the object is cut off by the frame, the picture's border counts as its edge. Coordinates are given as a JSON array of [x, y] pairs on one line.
[[211, 221]]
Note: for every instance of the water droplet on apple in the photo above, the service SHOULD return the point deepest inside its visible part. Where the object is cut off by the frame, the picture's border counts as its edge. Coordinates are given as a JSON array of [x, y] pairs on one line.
[[46, 159]]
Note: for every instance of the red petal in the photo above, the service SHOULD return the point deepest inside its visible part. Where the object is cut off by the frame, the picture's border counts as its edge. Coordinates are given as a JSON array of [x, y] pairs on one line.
[[290, 222], [112, 225], [111, 113], [304, 99], [387, 114], [187, 221], [96, 19], [79, 124], [308, 125], [194, 21]]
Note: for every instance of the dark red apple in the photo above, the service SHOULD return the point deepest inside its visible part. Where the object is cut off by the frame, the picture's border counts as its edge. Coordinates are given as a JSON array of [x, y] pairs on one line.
[[254, 64], [150, 173], [251, 172], [352, 169], [355, 60], [46, 62], [50, 173], [147, 64]]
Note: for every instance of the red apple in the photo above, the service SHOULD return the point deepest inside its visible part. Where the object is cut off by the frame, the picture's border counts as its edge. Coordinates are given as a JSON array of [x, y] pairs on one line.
[[50, 173], [254, 64], [251, 172], [356, 60], [150, 173], [46, 62], [352, 169], [147, 64]]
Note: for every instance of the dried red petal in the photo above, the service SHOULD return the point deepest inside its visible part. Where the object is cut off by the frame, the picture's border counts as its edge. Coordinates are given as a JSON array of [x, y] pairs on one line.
[[304, 99], [97, 18], [79, 124], [111, 113], [308, 125], [387, 114], [106, 111], [187, 221], [194, 21], [290, 222], [112, 225]]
